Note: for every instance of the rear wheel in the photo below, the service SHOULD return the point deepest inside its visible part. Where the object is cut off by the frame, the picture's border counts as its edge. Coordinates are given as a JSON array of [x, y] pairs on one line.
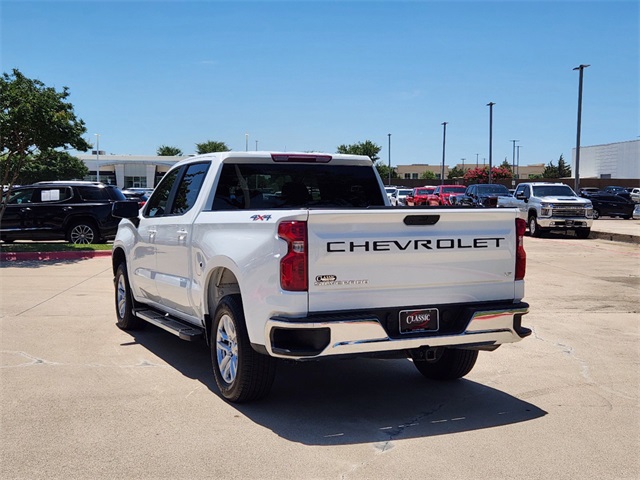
[[449, 364], [596, 214], [82, 232], [241, 373]]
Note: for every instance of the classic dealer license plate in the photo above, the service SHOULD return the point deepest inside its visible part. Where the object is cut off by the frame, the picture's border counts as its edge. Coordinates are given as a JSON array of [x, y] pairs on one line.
[[425, 320]]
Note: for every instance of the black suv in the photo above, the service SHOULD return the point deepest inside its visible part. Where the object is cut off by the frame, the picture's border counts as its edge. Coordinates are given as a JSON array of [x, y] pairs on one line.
[[612, 205], [79, 212]]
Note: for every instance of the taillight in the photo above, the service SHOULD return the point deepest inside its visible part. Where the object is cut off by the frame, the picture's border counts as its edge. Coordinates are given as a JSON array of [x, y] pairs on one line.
[[521, 256], [293, 266]]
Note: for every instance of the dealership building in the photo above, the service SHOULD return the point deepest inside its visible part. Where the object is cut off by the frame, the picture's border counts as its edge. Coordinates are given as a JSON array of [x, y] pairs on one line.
[[613, 160], [127, 171]]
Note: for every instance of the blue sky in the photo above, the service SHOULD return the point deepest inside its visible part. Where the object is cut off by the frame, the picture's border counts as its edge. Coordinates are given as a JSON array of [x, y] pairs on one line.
[[309, 75]]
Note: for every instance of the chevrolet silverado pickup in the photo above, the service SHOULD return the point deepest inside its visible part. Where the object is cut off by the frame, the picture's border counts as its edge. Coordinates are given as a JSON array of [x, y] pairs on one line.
[[299, 256], [553, 206]]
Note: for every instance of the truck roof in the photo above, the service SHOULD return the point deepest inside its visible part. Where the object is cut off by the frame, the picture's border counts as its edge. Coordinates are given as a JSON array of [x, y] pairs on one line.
[[282, 157]]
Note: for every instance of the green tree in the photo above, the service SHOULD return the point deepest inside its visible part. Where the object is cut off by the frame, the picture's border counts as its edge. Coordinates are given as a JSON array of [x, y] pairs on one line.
[[428, 175], [383, 171], [168, 151], [506, 165], [550, 171], [33, 118], [367, 148], [211, 146], [52, 165], [456, 172], [564, 170]]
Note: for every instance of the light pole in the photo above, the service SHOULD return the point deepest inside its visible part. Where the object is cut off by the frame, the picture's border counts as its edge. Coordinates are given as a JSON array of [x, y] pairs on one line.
[[513, 159], [518, 162], [477, 154], [246, 142], [389, 181], [577, 182], [97, 156], [256, 145], [463, 164], [444, 143], [490, 105]]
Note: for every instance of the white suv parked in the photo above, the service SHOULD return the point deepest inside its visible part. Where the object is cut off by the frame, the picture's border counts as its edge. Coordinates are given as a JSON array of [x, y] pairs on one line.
[[553, 206]]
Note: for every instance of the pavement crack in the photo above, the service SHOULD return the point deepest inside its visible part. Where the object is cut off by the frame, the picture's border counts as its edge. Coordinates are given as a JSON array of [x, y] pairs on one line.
[[61, 292]]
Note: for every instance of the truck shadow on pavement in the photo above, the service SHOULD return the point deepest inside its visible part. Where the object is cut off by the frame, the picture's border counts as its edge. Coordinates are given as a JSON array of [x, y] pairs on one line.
[[352, 401]]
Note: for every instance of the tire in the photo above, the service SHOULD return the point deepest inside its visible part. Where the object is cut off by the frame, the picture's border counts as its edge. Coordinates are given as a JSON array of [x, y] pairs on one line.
[[83, 232], [241, 373], [596, 214], [450, 364], [124, 301], [583, 233], [534, 228]]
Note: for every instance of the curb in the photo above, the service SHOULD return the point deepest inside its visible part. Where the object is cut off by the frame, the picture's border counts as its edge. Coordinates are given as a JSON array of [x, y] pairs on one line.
[[69, 255], [615, 237]]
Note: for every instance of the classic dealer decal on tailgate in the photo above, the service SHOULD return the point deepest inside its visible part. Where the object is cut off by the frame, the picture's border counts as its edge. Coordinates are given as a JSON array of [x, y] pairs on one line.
[[327, 280]]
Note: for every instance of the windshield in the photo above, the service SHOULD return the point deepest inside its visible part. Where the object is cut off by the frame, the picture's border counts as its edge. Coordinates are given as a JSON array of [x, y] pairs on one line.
[[553, 191], [424, 191], [404, 192], [390, 189], [454, 189], [492, 189]]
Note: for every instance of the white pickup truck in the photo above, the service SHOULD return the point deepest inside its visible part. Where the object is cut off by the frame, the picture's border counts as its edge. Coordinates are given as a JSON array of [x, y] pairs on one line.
[[300, 256]]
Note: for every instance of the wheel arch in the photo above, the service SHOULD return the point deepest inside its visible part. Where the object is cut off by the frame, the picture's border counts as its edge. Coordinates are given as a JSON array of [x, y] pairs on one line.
[[221, 281]]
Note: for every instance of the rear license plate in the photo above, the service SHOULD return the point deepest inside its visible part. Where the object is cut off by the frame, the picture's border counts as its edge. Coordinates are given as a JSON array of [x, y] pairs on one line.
[[425, 320]]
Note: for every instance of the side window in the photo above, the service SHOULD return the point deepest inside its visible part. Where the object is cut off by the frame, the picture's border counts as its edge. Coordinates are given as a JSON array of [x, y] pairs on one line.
[[94, 194], [157, 204], [47, 195], [189, 188], [21, 196]]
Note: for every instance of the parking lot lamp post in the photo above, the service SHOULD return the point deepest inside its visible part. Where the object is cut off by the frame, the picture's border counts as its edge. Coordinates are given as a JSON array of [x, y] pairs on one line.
[[389, 180], [97, 156], [518, 162], [246, 142], [577, 173], [490, 105], [444, 143], [477, 155], [513, 159]]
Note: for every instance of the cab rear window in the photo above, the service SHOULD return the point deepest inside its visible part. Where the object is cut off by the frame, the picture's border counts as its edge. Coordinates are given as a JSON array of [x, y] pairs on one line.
[[269, 186]]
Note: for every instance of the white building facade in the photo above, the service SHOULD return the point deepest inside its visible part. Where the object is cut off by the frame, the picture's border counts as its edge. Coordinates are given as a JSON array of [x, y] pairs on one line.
[[613, 160], [127, 171]]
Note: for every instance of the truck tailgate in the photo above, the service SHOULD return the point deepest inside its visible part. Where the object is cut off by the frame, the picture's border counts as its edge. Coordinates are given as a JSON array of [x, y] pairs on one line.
[[404, 257]]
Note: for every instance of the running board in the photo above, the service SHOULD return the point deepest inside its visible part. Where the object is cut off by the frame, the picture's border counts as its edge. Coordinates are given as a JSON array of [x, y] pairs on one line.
[[170, 324]]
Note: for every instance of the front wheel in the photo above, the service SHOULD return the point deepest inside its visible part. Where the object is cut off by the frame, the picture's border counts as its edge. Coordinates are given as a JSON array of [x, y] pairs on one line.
[[241, 373], [583, 233], [449, 364], [124, 301], [534, 228], [596, 214]]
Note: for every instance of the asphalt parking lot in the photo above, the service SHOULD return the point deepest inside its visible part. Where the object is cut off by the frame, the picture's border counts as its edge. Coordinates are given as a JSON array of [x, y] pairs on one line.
[[82, 399]]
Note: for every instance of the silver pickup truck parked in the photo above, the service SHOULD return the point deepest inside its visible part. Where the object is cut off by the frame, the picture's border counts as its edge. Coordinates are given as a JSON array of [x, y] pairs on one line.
[[553, 206], [299, 256]]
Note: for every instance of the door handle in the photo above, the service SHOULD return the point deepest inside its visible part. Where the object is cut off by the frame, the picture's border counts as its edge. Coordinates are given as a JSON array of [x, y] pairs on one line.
[[182, 235]]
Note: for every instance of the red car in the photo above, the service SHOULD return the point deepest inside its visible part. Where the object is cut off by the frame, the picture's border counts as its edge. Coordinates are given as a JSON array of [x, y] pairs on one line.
[[442, 193], [419, 196]]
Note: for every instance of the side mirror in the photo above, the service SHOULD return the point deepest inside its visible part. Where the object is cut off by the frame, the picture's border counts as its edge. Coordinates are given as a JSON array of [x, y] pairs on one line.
[[125, 209]]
